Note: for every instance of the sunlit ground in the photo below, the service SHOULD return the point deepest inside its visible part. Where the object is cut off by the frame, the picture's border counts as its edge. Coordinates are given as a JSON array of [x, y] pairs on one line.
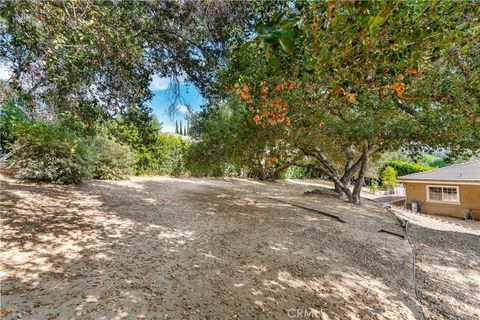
[[184, 248]]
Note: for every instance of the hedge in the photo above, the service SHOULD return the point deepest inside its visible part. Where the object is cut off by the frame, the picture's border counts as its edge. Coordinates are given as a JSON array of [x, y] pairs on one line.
[[403, 168]]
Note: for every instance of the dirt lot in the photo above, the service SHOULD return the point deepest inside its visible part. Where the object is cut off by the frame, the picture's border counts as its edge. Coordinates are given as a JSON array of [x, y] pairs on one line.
[[184, 248]]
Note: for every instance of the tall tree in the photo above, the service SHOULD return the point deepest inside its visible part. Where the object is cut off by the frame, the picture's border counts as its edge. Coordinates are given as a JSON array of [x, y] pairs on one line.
[[75, 55], [354, 78]]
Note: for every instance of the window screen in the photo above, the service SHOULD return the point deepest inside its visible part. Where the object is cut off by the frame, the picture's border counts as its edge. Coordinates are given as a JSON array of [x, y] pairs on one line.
[[447, 194], [450, 194], [435, 193]]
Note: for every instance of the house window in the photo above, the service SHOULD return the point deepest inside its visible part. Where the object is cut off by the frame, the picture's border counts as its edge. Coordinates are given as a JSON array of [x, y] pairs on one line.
[[443, 194]]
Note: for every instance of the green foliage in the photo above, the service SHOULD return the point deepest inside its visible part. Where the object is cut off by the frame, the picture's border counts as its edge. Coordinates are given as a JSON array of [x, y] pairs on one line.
[[403, 168], [10, 116], [65, 152], [47, 152], [170, 155], [389, 178], [374, 186], [433, 161], [201, 160], [229, 142], [105, 53], [110, 160], [349, 76], [156, 152], [295, 172], [212, 154]]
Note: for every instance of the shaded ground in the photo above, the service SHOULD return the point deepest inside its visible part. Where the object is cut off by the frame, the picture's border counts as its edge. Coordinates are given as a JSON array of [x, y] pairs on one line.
[[448, 265], [168, 248]]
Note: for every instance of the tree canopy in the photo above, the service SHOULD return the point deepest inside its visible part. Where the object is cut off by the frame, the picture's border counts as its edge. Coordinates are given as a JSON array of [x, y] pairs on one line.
[[325, 85], [355, 78], [84, 55]]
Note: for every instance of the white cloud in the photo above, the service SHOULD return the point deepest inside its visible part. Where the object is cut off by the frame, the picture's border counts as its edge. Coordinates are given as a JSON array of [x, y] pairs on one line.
[[170, 129], [162, 83], [182, 108], [4, 72], [158, 83]]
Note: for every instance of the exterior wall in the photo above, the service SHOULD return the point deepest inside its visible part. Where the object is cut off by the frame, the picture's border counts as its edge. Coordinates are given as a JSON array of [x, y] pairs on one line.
[[469, 199]]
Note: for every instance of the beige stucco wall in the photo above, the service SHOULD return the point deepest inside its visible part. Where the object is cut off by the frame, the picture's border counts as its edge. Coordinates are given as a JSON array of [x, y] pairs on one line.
[[469, 199]]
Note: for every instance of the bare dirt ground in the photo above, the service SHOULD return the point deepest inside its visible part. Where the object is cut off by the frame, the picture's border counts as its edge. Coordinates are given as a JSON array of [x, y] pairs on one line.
[[185, 248], [448, 265]]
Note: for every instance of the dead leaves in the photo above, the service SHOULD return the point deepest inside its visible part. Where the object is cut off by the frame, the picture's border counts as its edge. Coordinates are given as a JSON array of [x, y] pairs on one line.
[[271, 161], [5, 312], [399, 88], [412, 70], [276, 114], [244, 94], [351, 97]]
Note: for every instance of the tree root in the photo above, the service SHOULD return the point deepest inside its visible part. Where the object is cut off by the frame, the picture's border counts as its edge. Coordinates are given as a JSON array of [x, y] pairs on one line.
[[310, 209]]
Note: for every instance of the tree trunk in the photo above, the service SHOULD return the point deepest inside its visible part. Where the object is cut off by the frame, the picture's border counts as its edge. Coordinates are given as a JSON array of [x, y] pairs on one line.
[[262, 173], [350, 169], [335, 176], [338, 190], [361, 176], [274, 175]]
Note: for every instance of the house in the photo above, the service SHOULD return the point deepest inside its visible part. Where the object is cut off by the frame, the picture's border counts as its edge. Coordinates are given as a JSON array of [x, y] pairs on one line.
[[449, 191]]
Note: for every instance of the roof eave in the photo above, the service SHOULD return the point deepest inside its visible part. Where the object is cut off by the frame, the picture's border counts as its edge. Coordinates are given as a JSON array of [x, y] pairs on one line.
[[465, 181]]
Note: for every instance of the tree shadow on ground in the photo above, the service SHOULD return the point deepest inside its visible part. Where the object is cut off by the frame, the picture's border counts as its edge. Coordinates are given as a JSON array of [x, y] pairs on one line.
[[192, 248], [448, 272]]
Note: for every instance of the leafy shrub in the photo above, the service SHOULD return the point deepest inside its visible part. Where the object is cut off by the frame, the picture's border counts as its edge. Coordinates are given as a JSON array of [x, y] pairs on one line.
[[294, 172], [10, 116], [201, 161], [170, 154], [389, 178], [433, 161], [404, 168], [47, 152], [374, 186], [111, 159]]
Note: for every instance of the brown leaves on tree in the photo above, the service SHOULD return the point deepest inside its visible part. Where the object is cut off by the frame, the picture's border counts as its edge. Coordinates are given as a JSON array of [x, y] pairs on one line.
[[244, 94], [351, 97], [274, 109], [276, 114], [271, 161]]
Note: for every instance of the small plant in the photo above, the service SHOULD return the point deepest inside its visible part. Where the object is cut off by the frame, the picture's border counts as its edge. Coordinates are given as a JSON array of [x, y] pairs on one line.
[[389, 178], [374, 186]]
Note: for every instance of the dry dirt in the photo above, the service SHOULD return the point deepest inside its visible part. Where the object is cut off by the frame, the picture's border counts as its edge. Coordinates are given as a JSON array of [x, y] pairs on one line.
[[185, 248]]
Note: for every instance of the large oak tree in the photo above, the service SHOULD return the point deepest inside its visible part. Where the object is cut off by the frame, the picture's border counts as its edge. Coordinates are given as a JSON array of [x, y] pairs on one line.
[[354, 78]]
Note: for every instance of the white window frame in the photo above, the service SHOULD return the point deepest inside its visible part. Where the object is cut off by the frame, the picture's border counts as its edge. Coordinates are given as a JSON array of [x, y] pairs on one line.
[[442, 186]]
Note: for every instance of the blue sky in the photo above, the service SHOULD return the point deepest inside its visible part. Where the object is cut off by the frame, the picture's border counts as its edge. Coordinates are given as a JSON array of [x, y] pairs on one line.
[[161, 101]]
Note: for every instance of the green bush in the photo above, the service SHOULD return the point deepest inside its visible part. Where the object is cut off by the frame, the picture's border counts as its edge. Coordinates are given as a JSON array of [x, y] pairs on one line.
[[10, 116], [48, 152], [374, 186], [433, 161], [403, 168], [389, 178], [201, 161], [294, 172], [111, 159], [170, 152]]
